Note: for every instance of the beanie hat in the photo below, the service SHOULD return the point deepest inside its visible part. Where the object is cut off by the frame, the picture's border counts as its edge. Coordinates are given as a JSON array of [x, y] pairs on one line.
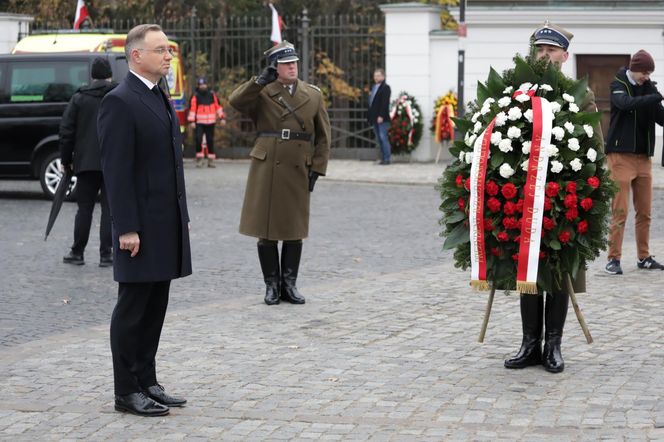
[[642, 62], [101, 69]]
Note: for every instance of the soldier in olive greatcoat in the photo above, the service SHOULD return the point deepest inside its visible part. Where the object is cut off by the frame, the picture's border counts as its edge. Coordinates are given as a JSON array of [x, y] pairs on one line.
[[290, 153]]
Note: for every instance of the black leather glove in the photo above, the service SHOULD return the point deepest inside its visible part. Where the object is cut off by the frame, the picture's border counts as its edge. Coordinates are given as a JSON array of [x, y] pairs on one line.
[[268, 75], [313, 176]]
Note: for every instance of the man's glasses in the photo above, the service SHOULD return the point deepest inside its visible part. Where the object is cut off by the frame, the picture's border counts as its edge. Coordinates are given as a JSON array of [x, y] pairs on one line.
[[160, 51]]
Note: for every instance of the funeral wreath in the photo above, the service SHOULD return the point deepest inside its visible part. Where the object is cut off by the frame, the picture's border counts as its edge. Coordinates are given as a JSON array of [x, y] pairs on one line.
[[406, 124]]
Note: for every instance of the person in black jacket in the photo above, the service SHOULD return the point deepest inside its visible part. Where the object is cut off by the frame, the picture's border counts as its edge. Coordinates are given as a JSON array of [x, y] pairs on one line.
[[636, 105], [379, 113], [79, 151]]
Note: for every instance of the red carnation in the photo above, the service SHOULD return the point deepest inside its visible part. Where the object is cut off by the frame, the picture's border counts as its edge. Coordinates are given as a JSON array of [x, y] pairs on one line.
[[491, 188], [467, 183], [570, 187], [552, 189], [593, 182], [503, 236], [509, 208], [488, 225], [459, 181], [515, 257], [509, 191], [587, 204], [570, 201], [493, 204], [565, 236], [582, 227], [572, 214], [548, 205], [510, 222], [519, 206], [495, 251], [461, 203], [548, 223]]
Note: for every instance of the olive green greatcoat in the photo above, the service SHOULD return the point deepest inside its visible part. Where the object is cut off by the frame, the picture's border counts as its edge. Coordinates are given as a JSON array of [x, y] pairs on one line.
[[276, 199]]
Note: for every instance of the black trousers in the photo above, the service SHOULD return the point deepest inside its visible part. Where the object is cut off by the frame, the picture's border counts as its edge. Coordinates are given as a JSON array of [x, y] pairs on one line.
[[208, 130], [88, 185], [135, 331]]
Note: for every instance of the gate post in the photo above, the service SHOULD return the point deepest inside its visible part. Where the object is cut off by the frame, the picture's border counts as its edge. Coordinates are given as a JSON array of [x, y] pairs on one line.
[[305, 45]]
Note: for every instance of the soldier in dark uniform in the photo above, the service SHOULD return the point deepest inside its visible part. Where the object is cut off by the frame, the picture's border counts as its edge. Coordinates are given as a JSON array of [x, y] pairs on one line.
[[290, 153], [551, 41]]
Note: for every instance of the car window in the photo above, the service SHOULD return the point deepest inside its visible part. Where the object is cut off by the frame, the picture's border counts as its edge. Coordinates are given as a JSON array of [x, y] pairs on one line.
[[4, 96], [120, 70], [46, 81]]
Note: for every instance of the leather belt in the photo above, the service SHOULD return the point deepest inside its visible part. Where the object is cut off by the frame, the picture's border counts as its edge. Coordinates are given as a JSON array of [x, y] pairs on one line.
[[286, 134]]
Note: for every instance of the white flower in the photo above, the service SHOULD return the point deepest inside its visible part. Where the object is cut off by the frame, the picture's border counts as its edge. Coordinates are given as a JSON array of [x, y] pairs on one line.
[[496, 137], [589, 130], [506, 171], [558, 132], [525, 86], [505, 145], [488, 102], [485, 110], [573, 144], [514, 113], [592, 154], [477, 127], [501, 119], [546, 87], [556, 166], [568, 98], [569, 126], [462, 156], [525, 148], [551, 151], [504, 102], [528, 115], [573, 108], [508, 90], [476, 115], [555, 107], [469, 157], [513, 132], [470, 139], [524, 166], [522, 98], [576, 164]]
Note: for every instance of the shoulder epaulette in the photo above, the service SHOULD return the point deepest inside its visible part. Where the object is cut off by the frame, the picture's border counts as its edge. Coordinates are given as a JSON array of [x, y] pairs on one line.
[[314, 87]]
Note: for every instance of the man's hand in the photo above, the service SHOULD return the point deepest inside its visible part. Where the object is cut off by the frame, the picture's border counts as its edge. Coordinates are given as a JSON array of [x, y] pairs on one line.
[[379, 120], [130, 241], [192, 125], [268, 75], [313, 176]]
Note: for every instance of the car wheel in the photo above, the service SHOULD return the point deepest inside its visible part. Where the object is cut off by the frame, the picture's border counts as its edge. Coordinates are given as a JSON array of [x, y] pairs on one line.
[[50, 176]]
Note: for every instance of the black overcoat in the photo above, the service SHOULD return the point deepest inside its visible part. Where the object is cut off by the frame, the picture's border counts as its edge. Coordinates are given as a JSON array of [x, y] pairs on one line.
[[380, 106], [141, 158]]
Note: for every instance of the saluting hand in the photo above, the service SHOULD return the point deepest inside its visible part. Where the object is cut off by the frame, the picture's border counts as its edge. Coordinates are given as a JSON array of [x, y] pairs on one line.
[[130, 241], [268, 75]]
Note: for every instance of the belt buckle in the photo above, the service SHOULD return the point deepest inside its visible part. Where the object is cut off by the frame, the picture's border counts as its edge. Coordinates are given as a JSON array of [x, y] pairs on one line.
[[285, 134]]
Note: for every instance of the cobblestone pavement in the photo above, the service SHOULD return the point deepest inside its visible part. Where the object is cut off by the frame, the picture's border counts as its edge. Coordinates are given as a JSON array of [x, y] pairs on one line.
[[385, 348]]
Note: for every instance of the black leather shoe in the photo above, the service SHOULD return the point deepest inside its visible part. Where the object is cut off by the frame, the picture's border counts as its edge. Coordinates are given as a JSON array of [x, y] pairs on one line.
[[268, 255], [140, 404], [106, 261], [73, 258], [291, 252], [157, 393], [530, 353]]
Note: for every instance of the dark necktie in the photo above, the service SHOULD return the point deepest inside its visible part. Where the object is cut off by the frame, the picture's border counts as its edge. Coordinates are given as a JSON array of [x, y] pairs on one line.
[[162, 99]]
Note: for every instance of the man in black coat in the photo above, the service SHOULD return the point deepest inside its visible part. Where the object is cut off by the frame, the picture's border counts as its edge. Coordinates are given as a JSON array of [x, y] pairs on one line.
[[141, 159], [79, 151], [379, 113]]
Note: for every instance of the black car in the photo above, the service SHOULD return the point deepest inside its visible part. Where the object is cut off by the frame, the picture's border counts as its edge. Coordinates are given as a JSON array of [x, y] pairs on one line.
[[34, 92]]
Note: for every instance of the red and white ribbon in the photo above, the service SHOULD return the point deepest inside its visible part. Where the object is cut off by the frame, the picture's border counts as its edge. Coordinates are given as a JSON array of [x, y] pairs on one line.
[[481, 148], [403, 101], [533, 203]]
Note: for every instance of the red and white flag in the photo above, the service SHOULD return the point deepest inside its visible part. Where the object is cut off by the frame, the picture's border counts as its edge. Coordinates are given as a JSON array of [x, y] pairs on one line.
[[277, 25], [81, 14]]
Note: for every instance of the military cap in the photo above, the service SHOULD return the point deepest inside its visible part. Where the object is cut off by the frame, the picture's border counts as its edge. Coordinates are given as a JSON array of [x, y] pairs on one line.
[[554, 35], [284, 52]]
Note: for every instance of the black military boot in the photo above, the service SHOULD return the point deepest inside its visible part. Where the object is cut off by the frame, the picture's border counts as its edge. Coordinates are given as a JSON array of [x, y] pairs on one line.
[[268, 255], [554, 319], [530, 353], [291, 251]]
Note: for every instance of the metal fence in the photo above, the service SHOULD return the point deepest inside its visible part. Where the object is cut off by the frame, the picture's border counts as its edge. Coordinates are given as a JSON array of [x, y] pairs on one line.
[[338, 53]]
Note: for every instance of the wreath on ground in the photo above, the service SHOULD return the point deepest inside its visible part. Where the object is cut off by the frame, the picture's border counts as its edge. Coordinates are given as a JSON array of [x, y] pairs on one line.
[[444, 108], [406, 124], [507, 187]]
